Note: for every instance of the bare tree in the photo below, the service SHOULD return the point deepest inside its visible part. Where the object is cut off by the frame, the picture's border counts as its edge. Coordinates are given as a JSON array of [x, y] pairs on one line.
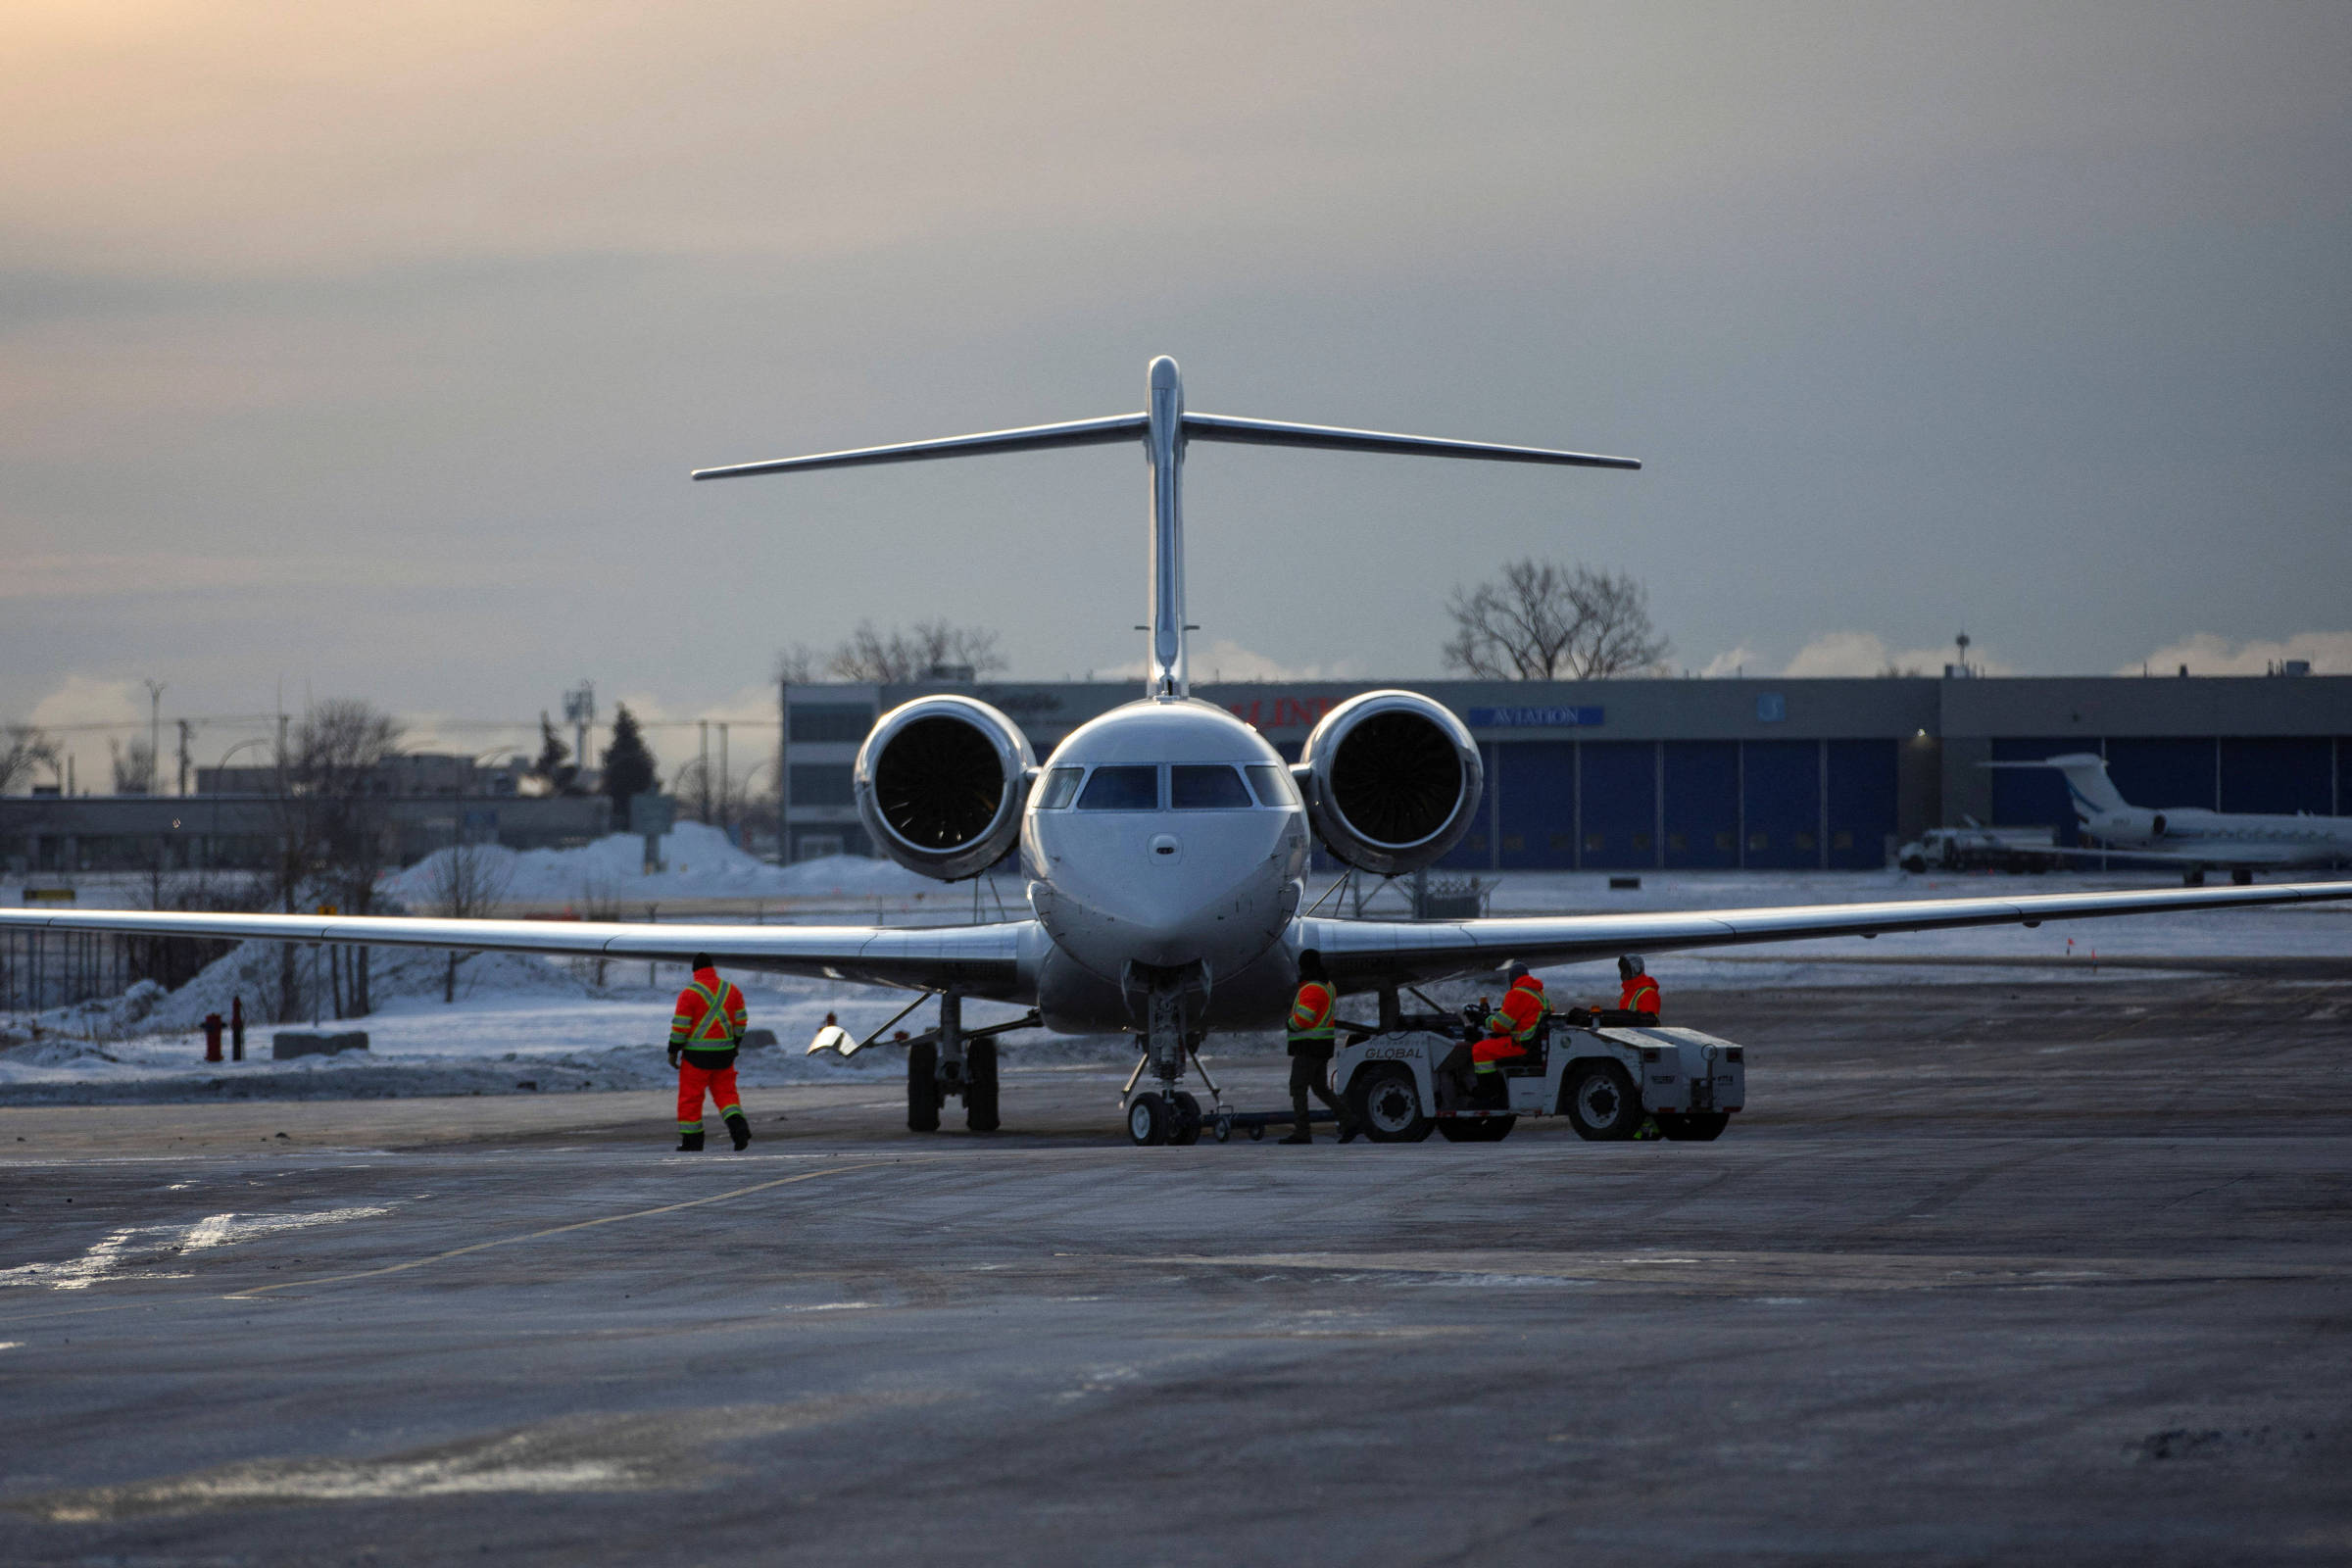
[[133, 768], [24, 750], [1541, 621], [927, 649], [798, 665], [334, 827], [466, 882]]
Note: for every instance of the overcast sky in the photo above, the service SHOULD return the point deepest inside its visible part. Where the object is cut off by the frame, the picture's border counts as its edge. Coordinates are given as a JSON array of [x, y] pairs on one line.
[[364, 350]]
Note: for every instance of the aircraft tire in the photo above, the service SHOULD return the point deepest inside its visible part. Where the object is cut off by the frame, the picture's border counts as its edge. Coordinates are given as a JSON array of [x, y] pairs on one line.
[[1693, 1126], [922, 1088], [980, 1086], [1386, 1103], [1601, 1103], [1185, 1122], [1148, 1120]]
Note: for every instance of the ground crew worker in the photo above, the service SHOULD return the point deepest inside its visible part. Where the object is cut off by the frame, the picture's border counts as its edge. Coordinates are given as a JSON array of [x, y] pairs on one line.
[[1637, 992], [1310, 1041], [1510, 1031], [706, 1029]]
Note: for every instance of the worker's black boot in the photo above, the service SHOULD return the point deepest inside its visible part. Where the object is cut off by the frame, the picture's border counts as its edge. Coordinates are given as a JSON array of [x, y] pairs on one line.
[[1302, 1130], [690, 1143], [740, 1129], [1349, 1127]]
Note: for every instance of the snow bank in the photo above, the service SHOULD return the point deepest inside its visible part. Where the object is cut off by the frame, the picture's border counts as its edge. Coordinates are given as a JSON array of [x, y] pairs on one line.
[[699, 863]]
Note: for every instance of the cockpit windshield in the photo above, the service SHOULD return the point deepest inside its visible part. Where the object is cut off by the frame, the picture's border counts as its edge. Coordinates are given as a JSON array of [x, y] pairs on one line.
[[1274, 786], [1122, 788], [1201, 787]]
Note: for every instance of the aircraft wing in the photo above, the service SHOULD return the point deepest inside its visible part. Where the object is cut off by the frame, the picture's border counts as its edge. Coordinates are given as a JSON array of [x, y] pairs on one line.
[[985, 959], [1362, 952]]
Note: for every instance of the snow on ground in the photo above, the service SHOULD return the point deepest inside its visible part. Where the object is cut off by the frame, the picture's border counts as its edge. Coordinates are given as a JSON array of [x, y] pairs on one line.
[[520, 1020], [698, 864]]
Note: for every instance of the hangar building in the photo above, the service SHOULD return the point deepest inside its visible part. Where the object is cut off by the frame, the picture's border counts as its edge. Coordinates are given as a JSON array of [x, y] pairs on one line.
[[1723, 775]]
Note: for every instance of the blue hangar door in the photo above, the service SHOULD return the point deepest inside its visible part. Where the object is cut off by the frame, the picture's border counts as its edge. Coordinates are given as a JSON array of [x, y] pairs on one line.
[[1534, 795], [2162, 770], [2282, 774], [1703, 804], [1782, 793], [1861, 802], [1476, 850], [1620, 792]]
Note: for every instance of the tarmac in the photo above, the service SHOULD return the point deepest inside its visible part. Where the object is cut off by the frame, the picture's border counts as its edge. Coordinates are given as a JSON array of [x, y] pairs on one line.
[[2006, 1273]]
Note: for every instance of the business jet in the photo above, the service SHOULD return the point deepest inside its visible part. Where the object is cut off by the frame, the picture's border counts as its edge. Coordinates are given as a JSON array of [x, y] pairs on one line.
[[2190, 836], [1164, 843]]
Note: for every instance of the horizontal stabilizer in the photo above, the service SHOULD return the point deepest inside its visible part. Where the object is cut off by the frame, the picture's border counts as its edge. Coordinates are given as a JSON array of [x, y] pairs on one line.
[[1075, 433], [1331, 438]]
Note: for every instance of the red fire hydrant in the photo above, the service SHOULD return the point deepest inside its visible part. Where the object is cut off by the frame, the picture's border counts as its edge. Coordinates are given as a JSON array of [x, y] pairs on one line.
[[211, 1037], [236, 1028]]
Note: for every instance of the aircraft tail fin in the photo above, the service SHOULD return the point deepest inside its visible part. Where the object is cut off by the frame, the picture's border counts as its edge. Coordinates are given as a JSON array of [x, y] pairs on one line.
[[1165, 429]]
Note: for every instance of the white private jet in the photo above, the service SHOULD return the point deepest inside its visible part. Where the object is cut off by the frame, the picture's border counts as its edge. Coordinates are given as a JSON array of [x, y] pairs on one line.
[[1164, 843], [2193, 837]]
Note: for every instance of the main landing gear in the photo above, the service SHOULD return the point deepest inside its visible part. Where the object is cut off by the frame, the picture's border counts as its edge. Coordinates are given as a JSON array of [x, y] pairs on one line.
[[948, 1062]]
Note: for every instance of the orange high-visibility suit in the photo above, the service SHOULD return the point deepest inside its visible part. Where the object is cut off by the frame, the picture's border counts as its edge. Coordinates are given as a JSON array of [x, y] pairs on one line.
[[1511, 1027], [703, 1031], [1639, 993]]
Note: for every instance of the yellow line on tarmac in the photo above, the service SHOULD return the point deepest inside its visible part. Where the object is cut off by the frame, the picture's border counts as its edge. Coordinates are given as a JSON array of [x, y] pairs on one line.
[[558, 1230]]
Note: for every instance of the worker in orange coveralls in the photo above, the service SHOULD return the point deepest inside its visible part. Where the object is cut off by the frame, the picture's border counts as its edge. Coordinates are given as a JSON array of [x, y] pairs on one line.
[[706, 1029], [1510, 1030]]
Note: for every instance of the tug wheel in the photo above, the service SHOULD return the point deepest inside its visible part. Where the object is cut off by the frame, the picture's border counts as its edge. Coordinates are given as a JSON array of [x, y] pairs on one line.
[[1387, 1102], [1600, 1100]]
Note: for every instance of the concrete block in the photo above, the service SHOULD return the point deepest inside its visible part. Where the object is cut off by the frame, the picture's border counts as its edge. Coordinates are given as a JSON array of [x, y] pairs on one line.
[[292, 1042]]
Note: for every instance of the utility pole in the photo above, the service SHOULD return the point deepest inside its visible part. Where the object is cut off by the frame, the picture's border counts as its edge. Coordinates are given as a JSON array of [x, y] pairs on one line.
[[579, 711], [725, 815], [186, 733], [704, 769], [155, 736]]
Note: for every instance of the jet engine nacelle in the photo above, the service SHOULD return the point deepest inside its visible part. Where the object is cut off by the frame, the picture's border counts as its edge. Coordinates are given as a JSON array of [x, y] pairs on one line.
[[940, 784], [1393, 781]]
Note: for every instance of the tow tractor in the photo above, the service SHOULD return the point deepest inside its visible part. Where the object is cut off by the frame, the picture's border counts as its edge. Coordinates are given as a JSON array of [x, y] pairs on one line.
[[1607, 1075]]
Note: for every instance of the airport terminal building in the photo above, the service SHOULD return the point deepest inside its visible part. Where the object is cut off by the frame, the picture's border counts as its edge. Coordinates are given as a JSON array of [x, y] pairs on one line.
[[1722, 774]]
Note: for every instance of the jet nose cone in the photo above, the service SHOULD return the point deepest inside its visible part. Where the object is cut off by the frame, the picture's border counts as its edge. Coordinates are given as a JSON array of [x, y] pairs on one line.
[[1165, 375]]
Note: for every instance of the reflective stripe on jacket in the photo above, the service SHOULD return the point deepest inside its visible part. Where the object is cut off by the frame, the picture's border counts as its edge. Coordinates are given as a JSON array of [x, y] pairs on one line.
[[1521, 1013], [709, 1015], [1641, 994], [1310, 1013]]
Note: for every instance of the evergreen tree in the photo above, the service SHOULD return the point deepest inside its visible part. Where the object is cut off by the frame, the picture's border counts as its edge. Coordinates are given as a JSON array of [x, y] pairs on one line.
[[554, 756], [629, 768]]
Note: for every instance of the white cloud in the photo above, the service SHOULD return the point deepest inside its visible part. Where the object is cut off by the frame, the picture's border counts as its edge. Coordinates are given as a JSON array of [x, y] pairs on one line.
[[1862, 653], [2329, 653], [88, 699], [1731, 662]]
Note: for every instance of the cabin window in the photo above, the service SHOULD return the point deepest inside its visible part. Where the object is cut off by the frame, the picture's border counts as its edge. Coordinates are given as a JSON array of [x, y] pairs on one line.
[[1122, 788], [1061, 788], [1274, 786], [1201, 788]]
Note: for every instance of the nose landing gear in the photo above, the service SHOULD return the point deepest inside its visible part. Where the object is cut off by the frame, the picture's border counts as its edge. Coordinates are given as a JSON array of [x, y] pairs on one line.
[[1165, 1113]]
